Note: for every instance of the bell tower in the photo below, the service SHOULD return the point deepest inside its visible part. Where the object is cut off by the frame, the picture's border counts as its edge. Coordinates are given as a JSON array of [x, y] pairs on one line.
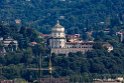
[[58, 39]]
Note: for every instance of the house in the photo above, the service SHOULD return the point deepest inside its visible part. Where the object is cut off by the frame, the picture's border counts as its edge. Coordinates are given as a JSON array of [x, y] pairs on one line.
[[8, 44], [108, 46], [7, 81]]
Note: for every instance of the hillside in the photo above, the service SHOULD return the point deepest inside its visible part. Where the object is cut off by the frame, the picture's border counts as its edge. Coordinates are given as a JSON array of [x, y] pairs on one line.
[[75, 15]]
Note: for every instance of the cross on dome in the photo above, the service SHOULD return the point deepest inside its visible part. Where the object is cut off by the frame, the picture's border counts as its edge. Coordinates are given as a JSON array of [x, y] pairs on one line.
[[58, 25], [58, 22]]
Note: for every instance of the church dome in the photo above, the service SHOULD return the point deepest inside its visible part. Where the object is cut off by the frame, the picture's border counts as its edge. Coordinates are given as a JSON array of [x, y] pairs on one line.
[[58, 27]]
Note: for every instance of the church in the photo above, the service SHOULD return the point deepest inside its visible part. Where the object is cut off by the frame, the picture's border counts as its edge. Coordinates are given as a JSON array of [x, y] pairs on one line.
[[61, 43]]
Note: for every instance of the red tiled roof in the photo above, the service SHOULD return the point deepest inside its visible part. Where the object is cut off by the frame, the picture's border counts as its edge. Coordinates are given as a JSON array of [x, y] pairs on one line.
[[44, 35], [33, 43], [75, 35]]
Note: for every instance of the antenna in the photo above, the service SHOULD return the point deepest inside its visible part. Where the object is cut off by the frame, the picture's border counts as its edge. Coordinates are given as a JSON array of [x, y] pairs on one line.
[[50, 65], [58, 22], [50, 68]]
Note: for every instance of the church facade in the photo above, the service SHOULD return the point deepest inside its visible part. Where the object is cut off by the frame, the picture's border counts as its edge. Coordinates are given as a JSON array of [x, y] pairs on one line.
[[60, 44]]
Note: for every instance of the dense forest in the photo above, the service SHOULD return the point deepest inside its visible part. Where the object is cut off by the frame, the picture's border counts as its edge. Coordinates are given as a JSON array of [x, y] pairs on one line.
[[77, 16], [98, 63]]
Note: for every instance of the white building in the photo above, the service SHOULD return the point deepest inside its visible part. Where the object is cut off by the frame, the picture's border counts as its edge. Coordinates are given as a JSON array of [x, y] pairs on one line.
[[59, 45], [108, 46], [8, 44], [120, 35], [58, 39]]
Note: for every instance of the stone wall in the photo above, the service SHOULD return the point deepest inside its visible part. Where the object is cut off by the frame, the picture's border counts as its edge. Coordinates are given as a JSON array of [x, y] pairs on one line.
[[68, 50]]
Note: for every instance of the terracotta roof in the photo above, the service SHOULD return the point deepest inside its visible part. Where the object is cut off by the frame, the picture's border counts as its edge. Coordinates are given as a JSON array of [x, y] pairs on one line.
[[34, 43], [44, 35], [74, 35]]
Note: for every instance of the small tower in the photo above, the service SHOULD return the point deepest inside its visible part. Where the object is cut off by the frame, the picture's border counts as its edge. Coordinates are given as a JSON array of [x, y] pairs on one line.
[[58, 38]]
